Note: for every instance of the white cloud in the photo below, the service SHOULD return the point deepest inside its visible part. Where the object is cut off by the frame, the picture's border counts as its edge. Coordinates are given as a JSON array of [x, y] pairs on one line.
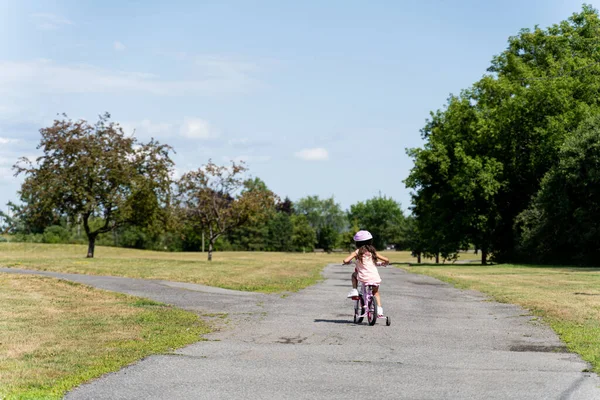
[[49, 21], [4, 140], [48, 77], [196, 128], [118, 46], [316, 154]]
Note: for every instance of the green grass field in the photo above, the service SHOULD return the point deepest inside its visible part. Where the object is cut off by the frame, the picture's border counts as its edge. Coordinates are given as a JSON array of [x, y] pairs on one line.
[[251, 271], [568, 299], [55, 335]]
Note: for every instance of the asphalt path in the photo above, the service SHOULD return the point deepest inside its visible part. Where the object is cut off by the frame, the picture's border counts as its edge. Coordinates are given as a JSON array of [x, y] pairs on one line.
[[443, 343]]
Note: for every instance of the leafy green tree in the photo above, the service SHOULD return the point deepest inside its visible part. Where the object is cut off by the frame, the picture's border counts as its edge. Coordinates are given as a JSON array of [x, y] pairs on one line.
[[216, 199], [434, 200], [16, 221], [252, 235], [97, 175], [412, 239], [304, 236], [562, 224], [56, 234], [347, 237], [542, 87], [280, 232], [382, 216], [488, 150], [327, 238], [325, 216], [286, 206], [132, 237]]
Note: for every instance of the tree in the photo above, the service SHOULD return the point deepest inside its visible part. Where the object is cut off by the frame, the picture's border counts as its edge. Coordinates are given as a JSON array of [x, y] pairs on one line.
[[325, 216], [280, 232], [252, 235], [16, 221], [454, 188], [216, 199], [382, 216], [539, 89], [562, 224], [347, 237], [304, 236], [434, 203], [488, 150], [413, 239], [286, 206], [97, 175]]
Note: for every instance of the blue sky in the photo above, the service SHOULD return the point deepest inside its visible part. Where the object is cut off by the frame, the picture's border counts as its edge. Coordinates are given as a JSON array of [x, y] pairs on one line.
[[318, 97]]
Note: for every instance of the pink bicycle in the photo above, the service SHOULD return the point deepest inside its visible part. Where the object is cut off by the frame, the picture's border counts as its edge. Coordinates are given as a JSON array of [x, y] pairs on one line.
[[365, 305]]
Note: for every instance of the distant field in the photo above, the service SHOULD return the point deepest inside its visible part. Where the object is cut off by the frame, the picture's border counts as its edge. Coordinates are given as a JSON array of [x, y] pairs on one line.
[[568, 299], [55, 334], [252, 271]]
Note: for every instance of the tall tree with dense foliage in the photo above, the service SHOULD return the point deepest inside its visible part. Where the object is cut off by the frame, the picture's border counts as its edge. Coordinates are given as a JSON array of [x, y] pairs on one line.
[[304, 236], [280, 231], [97, 175], [382, 216], [455, 183], [488, 150], [217, 199], [562, 225], [253, 235], [325, 216]]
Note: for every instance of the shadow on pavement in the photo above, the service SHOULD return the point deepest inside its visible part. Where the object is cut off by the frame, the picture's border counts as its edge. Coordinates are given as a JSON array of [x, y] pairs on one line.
[[335, 321]]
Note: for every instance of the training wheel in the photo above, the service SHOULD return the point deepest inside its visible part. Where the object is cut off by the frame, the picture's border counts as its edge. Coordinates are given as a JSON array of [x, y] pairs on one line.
[[388, 321]]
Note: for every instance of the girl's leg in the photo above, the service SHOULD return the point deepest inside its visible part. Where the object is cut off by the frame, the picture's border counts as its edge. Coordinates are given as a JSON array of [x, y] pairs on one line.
[[376, 294], [354, 291]]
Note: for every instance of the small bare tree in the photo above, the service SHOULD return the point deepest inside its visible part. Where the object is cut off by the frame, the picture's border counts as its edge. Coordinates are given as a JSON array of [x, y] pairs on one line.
[[215, 200]]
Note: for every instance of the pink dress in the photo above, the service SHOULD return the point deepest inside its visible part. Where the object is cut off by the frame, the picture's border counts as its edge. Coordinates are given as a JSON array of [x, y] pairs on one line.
[[367, 270]]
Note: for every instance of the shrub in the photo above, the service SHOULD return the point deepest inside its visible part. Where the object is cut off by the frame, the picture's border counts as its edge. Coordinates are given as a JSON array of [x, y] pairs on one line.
[[56, 234]]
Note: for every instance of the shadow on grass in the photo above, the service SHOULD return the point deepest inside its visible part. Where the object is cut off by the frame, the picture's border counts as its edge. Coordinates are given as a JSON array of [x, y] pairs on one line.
[[571, 268], [448, 264]]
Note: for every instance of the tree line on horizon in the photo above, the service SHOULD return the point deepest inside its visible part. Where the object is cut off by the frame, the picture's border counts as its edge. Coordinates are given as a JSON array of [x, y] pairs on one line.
[[511, 165], [95, 185]]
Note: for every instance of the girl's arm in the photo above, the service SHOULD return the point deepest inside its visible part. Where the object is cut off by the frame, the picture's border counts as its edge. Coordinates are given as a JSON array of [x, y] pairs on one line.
[[382, 258], [350, 257]]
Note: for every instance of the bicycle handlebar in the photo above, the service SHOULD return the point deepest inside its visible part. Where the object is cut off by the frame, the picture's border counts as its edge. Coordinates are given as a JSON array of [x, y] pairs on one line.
[[378, 263]]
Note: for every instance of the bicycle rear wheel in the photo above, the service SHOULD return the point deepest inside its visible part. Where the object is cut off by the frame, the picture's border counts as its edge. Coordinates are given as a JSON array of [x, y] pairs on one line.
[[358, 310], [372, 313]]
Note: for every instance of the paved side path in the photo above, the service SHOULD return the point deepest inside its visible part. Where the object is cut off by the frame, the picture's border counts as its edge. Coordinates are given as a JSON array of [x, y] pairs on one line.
[[443, 343]]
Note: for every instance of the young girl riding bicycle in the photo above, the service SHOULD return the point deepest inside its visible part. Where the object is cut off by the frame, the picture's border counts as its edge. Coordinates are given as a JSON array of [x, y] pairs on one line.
[[367, 260]]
